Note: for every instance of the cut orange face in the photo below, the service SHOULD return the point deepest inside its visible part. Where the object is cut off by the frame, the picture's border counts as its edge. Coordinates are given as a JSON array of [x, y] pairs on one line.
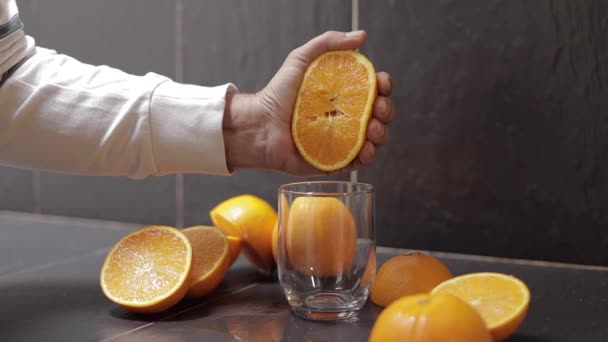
[[210, 257], [333, 108], [147, 271], [502, 300]]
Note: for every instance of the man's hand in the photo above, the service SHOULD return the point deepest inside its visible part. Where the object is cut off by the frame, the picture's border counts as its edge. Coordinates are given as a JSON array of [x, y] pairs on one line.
[[257, 128]]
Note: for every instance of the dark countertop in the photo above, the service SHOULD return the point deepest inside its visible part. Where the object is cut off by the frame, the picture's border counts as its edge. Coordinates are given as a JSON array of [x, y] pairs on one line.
[[49, 290]]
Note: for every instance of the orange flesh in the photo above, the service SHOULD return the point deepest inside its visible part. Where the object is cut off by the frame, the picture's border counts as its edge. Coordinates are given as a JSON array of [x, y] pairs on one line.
[[146, 266], [333, 109]]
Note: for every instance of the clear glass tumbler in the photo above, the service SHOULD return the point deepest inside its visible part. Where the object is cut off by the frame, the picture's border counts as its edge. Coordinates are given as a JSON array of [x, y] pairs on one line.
[[326, 248]]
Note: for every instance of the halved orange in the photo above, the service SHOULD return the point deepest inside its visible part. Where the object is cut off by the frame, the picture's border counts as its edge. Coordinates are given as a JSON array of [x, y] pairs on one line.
[[211, 259], [147, 270], [502, 300], [333, 108], [252, 219]]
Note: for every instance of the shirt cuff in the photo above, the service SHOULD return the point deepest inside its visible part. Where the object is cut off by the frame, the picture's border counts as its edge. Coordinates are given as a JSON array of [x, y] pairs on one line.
[[186, 128]]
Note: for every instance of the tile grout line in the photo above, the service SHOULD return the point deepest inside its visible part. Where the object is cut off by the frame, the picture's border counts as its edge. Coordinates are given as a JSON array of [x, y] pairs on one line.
[[354, 25], [244, 288], [179, 77], [468, 257]]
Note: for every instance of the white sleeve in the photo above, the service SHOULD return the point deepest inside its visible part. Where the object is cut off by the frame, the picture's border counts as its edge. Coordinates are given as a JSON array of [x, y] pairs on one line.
[[59, 114]]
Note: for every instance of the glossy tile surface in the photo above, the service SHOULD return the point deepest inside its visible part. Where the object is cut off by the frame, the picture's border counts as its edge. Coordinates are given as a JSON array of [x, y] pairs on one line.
[[29, 243], [54, 294]]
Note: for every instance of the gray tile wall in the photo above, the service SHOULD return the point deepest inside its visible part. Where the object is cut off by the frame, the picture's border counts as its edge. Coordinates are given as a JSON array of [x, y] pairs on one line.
[[137, 36], [497, 147], [245, 42], [16, 190], [500, 143], [214, 42]]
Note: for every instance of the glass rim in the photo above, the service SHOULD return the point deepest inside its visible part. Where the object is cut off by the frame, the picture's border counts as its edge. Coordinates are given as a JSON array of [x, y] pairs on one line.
[[364, 188]]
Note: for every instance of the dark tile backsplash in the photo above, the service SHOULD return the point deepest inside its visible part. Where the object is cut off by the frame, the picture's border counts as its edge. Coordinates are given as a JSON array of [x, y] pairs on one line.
[[137, 36], [16, 190], [497, 148], [245, 42], [500, 140], [147, 201]]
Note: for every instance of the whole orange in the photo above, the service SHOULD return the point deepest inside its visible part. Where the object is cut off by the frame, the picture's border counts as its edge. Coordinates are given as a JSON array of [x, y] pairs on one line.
[[407, 274], [321, 236], [430, 318]]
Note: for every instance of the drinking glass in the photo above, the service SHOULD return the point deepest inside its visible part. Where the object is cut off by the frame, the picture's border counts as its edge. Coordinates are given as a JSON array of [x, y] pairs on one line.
[[326, 248]]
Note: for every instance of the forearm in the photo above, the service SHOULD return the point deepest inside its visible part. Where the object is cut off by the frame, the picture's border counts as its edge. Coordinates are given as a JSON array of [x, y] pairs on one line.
[[62, 115]]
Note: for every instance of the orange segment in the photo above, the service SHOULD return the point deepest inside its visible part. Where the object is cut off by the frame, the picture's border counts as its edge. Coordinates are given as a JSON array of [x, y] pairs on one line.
[[407, 274], [321, 236], [502, 300], [147, 270], [424, 318], [252, 219], [333, 108], [211, 259]]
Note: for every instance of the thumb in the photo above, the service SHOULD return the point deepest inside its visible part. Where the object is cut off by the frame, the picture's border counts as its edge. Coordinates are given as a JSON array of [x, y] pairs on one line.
[[330, 40]]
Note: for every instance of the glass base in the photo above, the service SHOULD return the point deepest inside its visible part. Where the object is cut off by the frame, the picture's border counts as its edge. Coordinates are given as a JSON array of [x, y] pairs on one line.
[[328, 306]]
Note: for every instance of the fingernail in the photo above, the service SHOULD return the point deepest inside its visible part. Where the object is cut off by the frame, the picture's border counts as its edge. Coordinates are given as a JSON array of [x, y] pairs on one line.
[[354, 34]]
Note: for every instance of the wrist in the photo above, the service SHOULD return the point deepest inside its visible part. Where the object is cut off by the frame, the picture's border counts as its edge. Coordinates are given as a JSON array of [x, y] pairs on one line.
[[243, 131]]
